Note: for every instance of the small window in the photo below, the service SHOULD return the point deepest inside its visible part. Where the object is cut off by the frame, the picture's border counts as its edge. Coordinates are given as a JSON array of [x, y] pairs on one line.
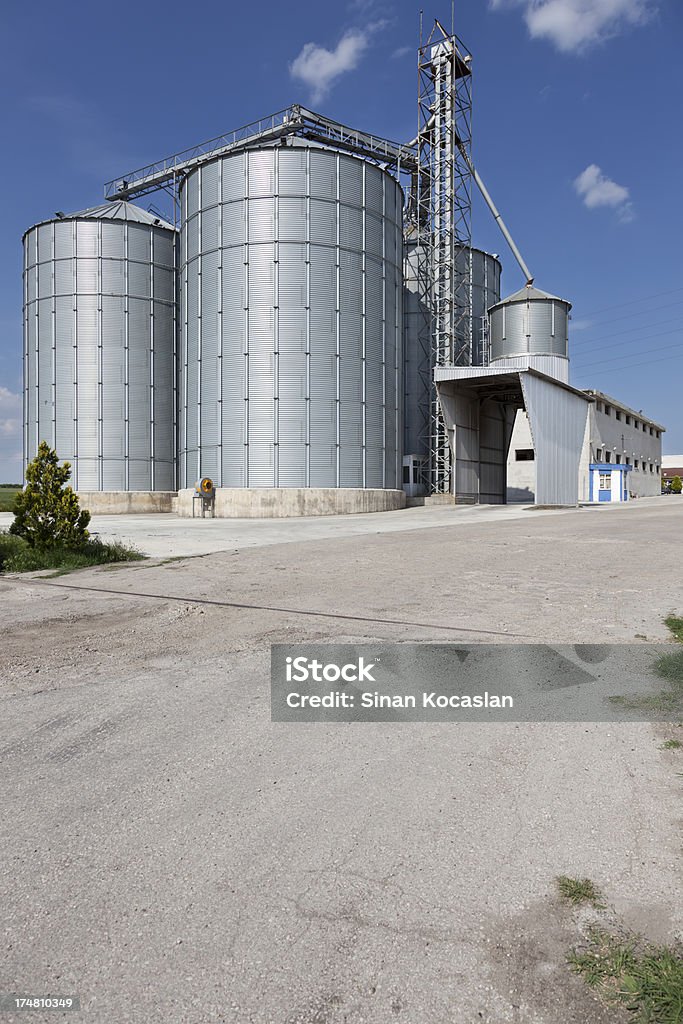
[[608, 456], [618, 459], [636, 424], [605, 481], [628, 461], [645, 428], [628, 421], [598, 454], [658, 434], [652, 468], [524, 455], [656, 467], [406, 474], [652, 431], [599, 406], [608, 410], [636, 463], [618, 415]]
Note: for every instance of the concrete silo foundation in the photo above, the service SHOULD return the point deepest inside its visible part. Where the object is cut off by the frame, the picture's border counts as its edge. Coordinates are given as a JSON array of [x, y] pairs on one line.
[[286, 502]]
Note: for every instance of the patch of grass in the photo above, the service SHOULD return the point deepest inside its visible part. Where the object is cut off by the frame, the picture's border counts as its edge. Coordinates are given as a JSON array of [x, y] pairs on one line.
[[580, 890], [17, 556], [10, 546], [8, 492], [669, 667], [672, 745], [646, 980], [675, 626]]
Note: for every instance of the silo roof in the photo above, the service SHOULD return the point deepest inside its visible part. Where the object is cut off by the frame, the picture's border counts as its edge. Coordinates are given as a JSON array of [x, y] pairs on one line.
[[118, 210], [529, 292]]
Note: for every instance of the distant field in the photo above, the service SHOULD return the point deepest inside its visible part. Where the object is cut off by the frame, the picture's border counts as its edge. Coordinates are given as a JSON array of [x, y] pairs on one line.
[[7, 492]]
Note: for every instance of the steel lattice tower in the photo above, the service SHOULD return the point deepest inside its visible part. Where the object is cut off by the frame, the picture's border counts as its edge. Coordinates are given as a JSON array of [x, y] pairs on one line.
[[444, 216]]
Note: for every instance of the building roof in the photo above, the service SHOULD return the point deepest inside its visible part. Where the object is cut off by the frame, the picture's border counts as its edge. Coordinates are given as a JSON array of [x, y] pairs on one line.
[[530, 293], [637, 414], [118, 210], [476, 375]]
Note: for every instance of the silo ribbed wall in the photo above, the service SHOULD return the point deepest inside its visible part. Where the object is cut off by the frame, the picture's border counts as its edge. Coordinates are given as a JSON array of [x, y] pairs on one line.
[[484, 272], [530, 327], [291, 321], [417, 362], [99, 350]]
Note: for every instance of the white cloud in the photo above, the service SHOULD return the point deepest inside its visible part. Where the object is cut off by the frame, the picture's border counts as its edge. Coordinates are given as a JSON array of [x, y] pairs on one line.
[[575, 25], [11, 419], [319, 68], [10, 413], [626, 213], [402, 51], [596, 189]]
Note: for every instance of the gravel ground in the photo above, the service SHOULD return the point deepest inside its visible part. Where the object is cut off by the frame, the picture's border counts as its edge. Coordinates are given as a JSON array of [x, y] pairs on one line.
[[171, 855]]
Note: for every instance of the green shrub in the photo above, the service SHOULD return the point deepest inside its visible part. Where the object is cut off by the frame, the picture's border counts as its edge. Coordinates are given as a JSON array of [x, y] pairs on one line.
[[677, 485], [17, 556], [10, 547], [46, 512]]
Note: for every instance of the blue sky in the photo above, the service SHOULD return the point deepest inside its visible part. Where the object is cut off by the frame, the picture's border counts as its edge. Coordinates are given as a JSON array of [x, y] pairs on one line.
[[577, 133]]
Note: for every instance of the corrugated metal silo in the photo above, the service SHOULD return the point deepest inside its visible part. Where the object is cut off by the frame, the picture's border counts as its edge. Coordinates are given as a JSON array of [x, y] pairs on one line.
[[530, 328], [484, 273], [99, 346], [416, 357], [291, 321]]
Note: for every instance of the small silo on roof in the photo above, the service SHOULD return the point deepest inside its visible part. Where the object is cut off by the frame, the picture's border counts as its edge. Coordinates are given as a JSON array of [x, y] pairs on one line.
[[99, 346], [530, 328]]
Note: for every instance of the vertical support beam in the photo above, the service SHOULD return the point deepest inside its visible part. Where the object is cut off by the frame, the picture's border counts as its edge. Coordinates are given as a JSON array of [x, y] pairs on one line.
[[444, 214]]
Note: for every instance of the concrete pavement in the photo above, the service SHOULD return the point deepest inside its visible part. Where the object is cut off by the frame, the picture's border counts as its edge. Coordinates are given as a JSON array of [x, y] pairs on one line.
[[168, 535], [173, 856]]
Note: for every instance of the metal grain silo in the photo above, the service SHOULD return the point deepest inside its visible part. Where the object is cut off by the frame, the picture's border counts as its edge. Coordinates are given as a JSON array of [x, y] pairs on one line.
[[99, 346], [417, 358], [291, 321], [530, 328], [484, 275]]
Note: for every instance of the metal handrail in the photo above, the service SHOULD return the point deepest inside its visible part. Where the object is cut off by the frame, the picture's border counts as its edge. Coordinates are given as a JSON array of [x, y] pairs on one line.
[[294, 120]]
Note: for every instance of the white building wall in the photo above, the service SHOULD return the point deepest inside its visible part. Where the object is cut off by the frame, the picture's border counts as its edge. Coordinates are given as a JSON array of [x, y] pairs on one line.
[[617, 486], [585, 461], [521, 474], [556, 367], [620, 435], [602, 443], [557, 417]]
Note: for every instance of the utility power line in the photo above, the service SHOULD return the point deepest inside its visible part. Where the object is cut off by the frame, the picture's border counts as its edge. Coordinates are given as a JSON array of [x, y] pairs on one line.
[[619, 334], [664, 348], [632, 366], [629, 316], [632, 302], [618, 344]]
